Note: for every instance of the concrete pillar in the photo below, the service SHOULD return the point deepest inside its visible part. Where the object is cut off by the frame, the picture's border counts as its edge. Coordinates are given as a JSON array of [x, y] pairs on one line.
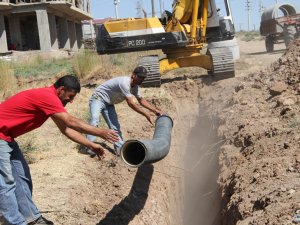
[[79, 35], [3, 40], [72, 36], [15, 31], [64, 40], [44, 31], [86, 5], [53, 31]]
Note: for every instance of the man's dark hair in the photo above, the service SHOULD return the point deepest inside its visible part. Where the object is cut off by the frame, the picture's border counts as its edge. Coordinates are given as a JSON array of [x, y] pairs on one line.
[[69, 82]]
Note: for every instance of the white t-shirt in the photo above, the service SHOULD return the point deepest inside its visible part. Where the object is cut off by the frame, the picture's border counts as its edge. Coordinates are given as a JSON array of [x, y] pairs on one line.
[[115, 90]]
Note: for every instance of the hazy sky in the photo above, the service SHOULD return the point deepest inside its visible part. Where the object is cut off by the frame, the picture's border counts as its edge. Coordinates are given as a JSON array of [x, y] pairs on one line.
[[127, 8]]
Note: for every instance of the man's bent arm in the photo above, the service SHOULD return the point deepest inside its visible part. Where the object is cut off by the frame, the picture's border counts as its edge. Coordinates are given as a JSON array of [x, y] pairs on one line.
[[78, 137], [136, 108], [72, 134], [65, 120], [149, 106]]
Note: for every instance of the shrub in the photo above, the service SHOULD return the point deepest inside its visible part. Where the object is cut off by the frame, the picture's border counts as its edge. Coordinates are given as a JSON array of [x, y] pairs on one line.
[[37, 66], [85, 62], [249, 35], [8, 81]]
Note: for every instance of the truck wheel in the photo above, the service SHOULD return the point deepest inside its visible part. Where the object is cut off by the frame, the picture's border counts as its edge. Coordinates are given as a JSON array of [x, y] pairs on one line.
[[269, 44], [289, 34]]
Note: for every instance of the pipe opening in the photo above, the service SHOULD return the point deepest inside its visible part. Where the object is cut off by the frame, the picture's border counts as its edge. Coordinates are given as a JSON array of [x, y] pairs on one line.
[[133, 153]]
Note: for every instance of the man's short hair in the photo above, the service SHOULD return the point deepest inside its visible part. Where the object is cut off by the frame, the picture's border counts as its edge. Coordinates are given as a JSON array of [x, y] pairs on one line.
[[140, 71], [69, 82]]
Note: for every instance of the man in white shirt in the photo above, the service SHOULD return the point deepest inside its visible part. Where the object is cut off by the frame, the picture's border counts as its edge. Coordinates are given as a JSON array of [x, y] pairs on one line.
[[113, 92]]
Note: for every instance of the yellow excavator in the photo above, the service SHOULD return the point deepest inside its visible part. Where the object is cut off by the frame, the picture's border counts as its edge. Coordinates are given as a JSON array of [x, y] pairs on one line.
[[181, 35]]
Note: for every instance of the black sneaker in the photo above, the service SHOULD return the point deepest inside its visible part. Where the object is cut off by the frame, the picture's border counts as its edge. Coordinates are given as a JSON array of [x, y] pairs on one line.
[[41, 220]]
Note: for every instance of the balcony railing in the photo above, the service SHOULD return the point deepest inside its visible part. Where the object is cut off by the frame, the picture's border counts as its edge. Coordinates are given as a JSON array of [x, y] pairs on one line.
[[81, 4]]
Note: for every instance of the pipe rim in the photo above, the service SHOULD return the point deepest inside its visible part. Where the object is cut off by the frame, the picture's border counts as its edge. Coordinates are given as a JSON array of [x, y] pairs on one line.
[[123, 153], [164, 115]]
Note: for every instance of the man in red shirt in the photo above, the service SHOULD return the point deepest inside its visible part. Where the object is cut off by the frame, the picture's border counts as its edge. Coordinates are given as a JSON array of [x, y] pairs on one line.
[[22, 113]]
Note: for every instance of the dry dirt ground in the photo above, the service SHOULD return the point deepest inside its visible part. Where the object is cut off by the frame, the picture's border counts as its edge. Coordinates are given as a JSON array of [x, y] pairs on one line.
[[234, 156]]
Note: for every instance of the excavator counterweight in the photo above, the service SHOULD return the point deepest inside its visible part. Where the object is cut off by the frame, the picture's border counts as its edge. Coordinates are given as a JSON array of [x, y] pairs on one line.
[[181, 36]]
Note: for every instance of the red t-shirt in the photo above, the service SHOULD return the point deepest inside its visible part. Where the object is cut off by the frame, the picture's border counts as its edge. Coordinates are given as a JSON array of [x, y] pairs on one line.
[[27, 110]]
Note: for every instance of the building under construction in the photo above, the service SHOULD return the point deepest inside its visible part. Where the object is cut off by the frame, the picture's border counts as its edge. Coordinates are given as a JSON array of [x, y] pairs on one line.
[[42, 24]]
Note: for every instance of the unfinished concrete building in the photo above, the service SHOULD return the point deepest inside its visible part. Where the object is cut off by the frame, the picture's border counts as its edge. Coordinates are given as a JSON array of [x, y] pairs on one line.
[[42, 24]]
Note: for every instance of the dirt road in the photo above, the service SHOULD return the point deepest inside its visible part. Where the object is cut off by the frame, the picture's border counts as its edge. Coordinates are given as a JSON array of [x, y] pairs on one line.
[[254, 56], [193, 183]]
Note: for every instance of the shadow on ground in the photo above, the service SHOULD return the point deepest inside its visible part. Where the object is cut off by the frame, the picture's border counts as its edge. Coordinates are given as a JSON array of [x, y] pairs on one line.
[[131, 205], [264, 52], [181, 78]]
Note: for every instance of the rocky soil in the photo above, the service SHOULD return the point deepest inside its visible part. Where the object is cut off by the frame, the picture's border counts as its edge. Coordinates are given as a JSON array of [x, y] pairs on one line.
[[259, 158], [260, 164]]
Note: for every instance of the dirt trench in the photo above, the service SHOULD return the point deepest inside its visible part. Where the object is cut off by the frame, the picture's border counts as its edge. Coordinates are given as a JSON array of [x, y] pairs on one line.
[[234, 157]]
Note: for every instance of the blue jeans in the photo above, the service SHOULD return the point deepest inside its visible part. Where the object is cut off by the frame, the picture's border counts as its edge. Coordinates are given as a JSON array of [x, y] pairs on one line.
[[97, 106], [16, 204]]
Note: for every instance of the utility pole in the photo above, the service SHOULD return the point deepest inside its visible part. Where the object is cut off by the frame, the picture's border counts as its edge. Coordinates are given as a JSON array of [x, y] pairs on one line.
[[153, 10], [261, 8], [277, 2], [116, 2], [91, 21], [160, 7], [248, 8], [139, 9]]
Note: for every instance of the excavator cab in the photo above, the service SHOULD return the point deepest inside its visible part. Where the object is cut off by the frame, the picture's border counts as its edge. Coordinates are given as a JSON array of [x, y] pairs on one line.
[[220, 24], [181, 35], [227, 29]]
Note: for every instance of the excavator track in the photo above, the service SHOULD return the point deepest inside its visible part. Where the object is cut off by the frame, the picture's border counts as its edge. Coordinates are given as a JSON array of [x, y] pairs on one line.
[[151, 63], [223, 64]]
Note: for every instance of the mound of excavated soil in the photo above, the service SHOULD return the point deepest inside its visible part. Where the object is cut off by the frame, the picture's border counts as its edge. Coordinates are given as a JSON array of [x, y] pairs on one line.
[[260, 160]]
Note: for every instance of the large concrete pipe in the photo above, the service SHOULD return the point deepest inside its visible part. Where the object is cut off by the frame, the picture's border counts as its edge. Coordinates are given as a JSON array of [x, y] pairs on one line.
[[272, 12], [138, 152]]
